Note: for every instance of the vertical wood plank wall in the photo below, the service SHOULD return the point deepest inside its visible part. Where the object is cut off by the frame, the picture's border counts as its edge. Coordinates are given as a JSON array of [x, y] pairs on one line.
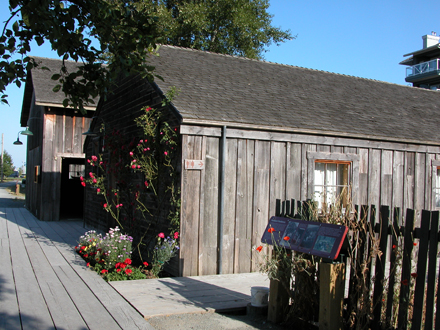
[[262, 167], [56, 133]]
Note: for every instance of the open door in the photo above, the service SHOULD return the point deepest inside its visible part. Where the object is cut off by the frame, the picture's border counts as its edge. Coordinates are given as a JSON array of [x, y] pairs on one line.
[[72, 192]]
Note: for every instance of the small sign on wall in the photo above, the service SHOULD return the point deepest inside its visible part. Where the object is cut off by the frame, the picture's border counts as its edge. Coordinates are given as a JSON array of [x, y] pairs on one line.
[[193, 164]]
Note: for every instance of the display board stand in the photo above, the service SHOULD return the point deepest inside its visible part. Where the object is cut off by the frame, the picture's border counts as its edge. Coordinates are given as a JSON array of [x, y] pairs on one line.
[[319, 239]]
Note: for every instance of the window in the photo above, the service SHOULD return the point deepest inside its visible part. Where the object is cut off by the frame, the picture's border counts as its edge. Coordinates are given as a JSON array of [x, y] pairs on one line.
[[435, 184], [333, 177], [331, 183], [437, 189]]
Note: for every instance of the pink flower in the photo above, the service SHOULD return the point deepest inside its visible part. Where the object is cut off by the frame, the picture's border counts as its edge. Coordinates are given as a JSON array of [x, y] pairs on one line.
[[94, 180], [141, 141], [176, 235], [81, 178], [94, 158], [139, 166], [146, 184], [105, 205], [83, 184], [91, 174], [133, 166], [98, 190], [165, 153], [161, 235], [131, 154]]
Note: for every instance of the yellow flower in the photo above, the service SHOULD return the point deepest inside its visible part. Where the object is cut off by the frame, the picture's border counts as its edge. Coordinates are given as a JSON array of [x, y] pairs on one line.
[[94, 244]]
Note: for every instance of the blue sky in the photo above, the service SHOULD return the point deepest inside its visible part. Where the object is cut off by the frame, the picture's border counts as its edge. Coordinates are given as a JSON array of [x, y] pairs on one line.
[[360, 38]]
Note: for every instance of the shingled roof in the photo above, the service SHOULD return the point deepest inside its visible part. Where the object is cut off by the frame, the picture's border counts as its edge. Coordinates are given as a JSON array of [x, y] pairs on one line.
[[39, 81], [237, 92]]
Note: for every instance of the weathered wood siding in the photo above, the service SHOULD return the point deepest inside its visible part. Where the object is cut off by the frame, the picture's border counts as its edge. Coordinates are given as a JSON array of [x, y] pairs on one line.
[[264, 166], [57, 135]]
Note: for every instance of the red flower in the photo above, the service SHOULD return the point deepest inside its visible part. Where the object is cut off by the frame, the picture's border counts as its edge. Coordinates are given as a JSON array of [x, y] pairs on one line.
[[405, 282], [271, 230], [91, 174], [414, 244], [118, 264], [81, 178], [259, 248], [118, 270], [105, 205], [128, 271], [161, 235], [86, 255], [413, 275], [83, 184], [104, 271], [286, 238], [128, 261], [145, 263], [122, 265], [394, 246], [88, 264], [176, 235]]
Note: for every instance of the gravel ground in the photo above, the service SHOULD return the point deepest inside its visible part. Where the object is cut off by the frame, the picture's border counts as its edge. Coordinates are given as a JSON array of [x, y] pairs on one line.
[[213, 321]]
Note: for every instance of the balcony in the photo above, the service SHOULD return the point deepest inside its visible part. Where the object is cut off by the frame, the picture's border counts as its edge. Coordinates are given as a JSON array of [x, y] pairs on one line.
[[423, 70]]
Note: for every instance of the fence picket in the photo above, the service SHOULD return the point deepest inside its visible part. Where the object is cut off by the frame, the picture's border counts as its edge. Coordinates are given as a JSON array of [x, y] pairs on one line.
[[420, 274], [406, 270], [390, 233], [380, 266], [395, 232], [430, 292]]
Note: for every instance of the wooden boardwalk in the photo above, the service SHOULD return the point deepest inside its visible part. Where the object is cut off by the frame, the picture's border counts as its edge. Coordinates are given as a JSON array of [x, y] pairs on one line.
[[194, 294], [45, 285]]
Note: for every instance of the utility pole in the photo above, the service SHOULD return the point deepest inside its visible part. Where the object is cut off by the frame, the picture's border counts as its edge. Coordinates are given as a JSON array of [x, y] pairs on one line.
[[1, 175]]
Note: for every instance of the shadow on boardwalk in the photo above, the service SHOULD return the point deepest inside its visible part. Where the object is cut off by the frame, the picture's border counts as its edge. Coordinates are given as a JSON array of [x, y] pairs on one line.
[[44, 284]]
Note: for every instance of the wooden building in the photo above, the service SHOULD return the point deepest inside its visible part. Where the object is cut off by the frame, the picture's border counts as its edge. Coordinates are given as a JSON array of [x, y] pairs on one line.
[[265, 131], [55, 158]]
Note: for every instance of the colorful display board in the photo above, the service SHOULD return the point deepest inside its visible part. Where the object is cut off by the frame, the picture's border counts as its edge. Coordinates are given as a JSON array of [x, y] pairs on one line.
[[320, 239]]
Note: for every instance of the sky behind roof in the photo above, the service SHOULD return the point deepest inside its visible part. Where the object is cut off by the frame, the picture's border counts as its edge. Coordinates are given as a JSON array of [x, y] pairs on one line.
[[359, 38]]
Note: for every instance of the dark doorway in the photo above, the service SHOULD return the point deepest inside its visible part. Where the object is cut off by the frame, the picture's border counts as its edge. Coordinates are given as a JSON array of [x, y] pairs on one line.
[[72, 192]]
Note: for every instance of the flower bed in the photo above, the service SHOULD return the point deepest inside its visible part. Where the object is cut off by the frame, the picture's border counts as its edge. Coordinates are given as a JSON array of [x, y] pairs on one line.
[[110, 256]]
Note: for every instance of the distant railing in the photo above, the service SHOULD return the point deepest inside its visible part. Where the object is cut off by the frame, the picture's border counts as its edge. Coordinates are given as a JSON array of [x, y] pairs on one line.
[[422, 68]]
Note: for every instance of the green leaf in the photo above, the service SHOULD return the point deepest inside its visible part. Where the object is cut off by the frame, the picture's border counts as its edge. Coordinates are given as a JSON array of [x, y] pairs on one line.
[[56, 76], [56, 88]]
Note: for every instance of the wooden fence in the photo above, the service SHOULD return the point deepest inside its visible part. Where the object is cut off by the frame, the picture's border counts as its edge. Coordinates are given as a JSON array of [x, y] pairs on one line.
[[402, 281]]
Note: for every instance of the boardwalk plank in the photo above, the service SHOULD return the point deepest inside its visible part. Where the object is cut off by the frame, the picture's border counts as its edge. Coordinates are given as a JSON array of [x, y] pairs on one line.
[[9, 311], [33, 309]]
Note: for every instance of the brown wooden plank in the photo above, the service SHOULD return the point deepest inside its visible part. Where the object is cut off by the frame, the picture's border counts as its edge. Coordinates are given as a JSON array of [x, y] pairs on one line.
[[374, 177], [398, 179], [430, 290], [277, 174], [419, 186], [261, 191], [228, 235], [243, 214], [293, 171], [386, 181], [209, 208], [419, 291], [189, 253]]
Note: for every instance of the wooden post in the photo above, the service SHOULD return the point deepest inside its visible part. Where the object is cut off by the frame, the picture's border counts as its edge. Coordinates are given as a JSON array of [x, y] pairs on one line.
[[17, 189], [331, 296], [278, 295]]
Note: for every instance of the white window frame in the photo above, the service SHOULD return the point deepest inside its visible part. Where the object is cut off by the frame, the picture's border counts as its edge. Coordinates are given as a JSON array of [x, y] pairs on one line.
[[329, 157], [435, 165]]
